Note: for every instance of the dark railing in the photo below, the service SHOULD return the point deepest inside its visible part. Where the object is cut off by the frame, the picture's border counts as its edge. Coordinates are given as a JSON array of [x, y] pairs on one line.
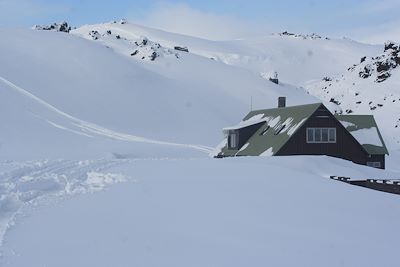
[[385, 185]]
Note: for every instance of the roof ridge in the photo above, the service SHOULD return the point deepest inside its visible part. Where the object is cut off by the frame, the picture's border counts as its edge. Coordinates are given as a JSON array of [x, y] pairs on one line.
[[297, 106]]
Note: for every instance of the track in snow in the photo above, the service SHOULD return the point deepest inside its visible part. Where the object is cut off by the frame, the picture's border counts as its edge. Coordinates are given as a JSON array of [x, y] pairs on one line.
[[87, 127], [28, 182]]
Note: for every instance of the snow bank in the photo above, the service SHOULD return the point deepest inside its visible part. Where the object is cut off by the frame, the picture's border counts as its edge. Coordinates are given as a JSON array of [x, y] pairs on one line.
[[247, 211], [29, 182]]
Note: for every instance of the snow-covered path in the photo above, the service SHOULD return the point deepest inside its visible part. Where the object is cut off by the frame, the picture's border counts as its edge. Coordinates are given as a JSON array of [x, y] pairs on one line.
[[84, 127], [27, 182], [24, 183]]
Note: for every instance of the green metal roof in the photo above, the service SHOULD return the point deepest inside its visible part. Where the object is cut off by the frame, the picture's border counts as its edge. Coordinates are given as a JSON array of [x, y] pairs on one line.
[[280, 124], [365, 131]]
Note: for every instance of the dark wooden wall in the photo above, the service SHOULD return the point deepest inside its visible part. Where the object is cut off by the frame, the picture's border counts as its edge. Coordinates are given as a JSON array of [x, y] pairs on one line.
[[380, 158], [346, 147], [247, 132]]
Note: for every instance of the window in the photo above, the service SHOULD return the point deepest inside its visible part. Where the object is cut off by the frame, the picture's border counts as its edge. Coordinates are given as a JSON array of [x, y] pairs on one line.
[[317, 135], [233, 140], [324, 135], [321, 135], [375, 164], [332, 135], [310, 135]]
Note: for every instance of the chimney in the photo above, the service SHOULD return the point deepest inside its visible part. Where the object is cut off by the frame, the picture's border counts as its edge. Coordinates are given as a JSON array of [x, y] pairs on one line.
[[281, 102]]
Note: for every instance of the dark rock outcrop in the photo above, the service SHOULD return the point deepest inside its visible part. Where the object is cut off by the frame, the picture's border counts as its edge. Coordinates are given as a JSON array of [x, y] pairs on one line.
[[58, 27]]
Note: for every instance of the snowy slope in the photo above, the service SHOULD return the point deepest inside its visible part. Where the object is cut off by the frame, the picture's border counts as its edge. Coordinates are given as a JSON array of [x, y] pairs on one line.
[[296, 58], [176, 101], [65, 100], [371, 86], [80, 114]]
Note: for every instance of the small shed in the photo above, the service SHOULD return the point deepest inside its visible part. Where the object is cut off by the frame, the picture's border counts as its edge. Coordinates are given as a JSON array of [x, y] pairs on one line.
[[306, 130]]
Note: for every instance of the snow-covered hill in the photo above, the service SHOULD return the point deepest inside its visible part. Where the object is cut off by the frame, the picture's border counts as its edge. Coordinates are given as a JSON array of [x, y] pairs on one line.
[[296, 58], [371, 86], [185, 100], [86, 108]]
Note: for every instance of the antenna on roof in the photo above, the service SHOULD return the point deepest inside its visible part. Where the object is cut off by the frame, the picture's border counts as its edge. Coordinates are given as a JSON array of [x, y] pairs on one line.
[[251, 103]]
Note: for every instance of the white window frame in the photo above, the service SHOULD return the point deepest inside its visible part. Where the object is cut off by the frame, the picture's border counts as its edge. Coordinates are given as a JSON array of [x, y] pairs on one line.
[[235, 140], [321, 129]]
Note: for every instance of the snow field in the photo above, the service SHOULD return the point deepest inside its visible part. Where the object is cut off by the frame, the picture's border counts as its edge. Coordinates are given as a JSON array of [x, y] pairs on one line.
[[205, 212]]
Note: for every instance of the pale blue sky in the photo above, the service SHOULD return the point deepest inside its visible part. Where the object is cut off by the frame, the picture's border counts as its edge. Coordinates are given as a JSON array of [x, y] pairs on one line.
[[367, 20]]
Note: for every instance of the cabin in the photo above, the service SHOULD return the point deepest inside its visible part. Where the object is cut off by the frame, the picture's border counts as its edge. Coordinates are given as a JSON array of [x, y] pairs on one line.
[[305, 130]]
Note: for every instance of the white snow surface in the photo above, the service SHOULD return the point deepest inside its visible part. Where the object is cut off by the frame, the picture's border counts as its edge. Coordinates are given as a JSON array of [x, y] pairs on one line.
[[367, 136], [347, 124], [243, 124], [258, 118], [28, 182], [273, 121], [295, 127], [81, 115], [213, 213], [267, 153], [173, 101]]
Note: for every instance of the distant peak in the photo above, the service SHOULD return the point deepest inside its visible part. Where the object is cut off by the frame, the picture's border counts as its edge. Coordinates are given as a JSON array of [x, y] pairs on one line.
[[312, 36], [121, 21], [58, 27]]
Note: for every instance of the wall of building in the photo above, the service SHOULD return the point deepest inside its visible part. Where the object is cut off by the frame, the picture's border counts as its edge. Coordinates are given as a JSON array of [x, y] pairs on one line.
[[346, 147], [377, 158]]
